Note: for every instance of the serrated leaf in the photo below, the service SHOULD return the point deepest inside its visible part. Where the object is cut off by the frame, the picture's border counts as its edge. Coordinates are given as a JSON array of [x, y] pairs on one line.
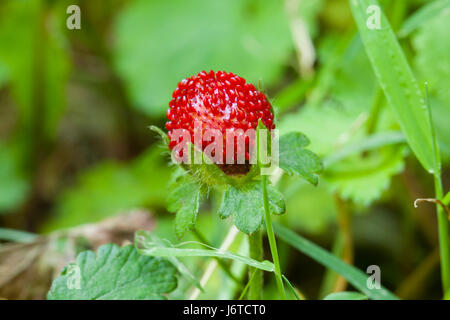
[[345, 295], [364, 179], [295, 159], [114, 273], [246, 205], [184, 200]]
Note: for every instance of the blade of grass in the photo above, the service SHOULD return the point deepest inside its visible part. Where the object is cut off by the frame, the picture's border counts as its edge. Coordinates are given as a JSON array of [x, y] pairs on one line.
[[353, 275], [252, 277], [157, 249], [397, 81], [294, 292], [345, 295], [408, 105]]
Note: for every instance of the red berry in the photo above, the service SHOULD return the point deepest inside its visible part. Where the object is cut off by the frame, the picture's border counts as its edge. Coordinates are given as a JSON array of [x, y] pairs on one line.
[[218, 100]]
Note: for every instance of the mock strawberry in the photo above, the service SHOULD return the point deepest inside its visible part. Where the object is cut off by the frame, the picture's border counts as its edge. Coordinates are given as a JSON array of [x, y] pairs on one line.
[[221, 101]]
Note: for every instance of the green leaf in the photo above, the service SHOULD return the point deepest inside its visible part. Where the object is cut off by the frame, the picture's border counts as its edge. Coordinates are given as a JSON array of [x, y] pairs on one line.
[[157, 249], [114, 273], [398, 83], [219, 35], [364, 178], [345, 295], [292, 288], [354, 276], [294, 158], [246, 205], [184, 200], [423, 16]]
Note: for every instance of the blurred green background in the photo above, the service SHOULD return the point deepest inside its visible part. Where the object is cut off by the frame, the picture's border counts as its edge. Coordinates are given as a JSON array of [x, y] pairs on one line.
[[75, 106]]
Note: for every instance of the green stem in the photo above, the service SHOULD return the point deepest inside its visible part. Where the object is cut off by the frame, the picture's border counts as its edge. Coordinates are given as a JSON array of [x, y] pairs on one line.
[[442, 217], [443, 236], [255, 275], [271, 236]]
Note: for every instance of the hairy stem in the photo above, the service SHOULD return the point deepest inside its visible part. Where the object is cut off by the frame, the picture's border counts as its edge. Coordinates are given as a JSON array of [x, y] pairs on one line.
[[271, 236], [255, 275]]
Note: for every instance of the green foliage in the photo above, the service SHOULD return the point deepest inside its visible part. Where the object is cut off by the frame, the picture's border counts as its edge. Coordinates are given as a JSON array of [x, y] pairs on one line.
[[310, 209], [370, 143], [155, 50], [311, 121], [423, 16], [36, 53], [364, 178], [184, 200], [398, 83], [246, 205], [354, 276], [114, 273], [294, 158], [13, 185], [345, 295], [112, 187], [432, 43]]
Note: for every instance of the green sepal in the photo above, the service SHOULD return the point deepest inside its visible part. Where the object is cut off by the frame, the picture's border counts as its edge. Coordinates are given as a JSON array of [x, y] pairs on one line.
[[184, 200], [161, 133]]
